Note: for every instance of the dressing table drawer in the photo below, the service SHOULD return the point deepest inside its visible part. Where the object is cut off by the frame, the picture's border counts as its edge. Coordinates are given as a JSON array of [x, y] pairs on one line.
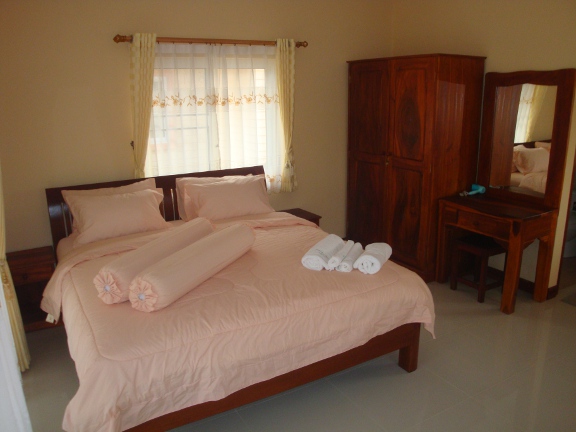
[[483, 224]]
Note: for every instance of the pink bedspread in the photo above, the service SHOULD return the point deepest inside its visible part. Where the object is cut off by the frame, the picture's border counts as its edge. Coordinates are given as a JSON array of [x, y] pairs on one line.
[[260, 317]]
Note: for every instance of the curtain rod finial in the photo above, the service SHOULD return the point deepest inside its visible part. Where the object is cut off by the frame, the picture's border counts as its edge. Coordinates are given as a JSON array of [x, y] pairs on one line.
[[119, 38]]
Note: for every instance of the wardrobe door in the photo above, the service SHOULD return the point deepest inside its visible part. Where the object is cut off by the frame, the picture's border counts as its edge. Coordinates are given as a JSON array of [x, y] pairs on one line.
[[368, 101], [409, 175]]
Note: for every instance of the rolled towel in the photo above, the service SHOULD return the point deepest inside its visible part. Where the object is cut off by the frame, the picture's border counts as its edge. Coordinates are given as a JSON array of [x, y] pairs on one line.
[[347, 263], [340, 255], [174, 276], [318, 256], [373, 258], [113, 280]]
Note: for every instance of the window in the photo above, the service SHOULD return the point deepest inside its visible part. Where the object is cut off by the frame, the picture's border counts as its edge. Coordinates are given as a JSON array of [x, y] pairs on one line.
[[215, 107]]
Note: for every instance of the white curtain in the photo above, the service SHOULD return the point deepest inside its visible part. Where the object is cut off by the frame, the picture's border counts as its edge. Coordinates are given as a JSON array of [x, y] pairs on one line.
[[531, 99], [285, 60], [141, 77], [13, 411], [215, 107]]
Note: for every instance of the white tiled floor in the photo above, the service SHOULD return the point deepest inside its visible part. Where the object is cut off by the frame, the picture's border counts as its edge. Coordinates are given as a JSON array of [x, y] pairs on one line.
[[485, 371]]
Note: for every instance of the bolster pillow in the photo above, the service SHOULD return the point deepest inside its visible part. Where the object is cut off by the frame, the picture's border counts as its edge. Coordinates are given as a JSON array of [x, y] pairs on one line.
[[113, 280], [174, 276]]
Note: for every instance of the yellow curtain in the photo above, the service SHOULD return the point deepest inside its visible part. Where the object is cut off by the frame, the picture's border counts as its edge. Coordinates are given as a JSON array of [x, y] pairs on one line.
[[10, 295], [285, 58], [141, 84]]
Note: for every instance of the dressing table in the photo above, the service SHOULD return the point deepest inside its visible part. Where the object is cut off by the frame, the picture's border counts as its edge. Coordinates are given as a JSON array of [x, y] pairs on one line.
[[515, 227], [512, 215]]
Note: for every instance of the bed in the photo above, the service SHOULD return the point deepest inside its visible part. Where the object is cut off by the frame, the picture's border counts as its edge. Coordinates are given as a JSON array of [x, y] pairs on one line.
[[530, 165], [262, 325]]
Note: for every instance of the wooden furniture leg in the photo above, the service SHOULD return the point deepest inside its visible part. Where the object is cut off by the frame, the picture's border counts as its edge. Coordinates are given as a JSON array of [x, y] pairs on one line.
[[512, 272]]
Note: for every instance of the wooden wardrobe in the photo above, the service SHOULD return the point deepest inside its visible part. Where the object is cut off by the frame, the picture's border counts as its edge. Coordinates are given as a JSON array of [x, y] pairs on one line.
[[413, 133]]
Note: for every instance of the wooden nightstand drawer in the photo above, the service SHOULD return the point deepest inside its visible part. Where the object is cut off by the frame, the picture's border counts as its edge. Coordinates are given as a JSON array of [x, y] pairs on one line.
[[32, 274], [31, 270]]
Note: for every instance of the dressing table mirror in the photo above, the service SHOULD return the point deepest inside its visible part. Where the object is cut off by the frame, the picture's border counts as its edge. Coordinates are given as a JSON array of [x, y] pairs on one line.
[[522, 160], [550, 96]]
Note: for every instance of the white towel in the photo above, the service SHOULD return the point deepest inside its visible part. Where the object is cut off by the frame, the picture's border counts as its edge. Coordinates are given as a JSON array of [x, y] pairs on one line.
[[373, 258], [340, 255], [347, 263], [318, 256]]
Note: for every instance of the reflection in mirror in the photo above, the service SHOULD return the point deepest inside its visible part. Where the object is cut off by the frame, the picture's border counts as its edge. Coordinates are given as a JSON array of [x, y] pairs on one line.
[[523, 122]]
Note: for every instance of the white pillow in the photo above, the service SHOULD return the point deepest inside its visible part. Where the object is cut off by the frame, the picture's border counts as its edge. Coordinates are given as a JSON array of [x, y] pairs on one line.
[[232, 198], [186, 209], [516, 149], [101, 217], [132, 187], [532, 160]]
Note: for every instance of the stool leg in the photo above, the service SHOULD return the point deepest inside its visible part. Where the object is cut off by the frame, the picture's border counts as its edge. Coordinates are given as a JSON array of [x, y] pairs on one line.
[[482, 281], [454, 274], [477, 268]]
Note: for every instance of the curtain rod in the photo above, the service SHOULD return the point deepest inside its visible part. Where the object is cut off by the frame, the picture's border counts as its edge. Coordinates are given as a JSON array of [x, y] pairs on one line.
[[119, 38]]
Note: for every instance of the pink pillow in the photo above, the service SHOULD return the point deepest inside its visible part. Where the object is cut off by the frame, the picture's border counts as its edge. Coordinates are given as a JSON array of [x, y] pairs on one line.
[[106, 216], [133, 187], [232, 198], [186, 208]]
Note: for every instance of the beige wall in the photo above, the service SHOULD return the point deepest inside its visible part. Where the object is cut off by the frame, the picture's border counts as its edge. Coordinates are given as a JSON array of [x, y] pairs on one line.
[[64, 101], [64, 104]]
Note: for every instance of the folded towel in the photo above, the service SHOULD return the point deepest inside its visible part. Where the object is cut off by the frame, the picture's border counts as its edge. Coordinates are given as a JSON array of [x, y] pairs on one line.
[[318, 256], [176, 275], [113, 280], [347, 263], [373, 258], [340, 255]]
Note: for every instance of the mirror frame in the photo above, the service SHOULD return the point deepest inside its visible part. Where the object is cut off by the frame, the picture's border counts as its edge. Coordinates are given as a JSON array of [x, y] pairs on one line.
[[564, 80]]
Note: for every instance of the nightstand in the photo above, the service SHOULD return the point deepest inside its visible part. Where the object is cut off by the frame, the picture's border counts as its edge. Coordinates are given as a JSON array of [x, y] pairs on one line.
[[31, 270], [304, 215]]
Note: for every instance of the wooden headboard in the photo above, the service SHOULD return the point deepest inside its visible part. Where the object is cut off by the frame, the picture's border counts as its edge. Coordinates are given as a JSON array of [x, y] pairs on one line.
[[61, 218], [532, 144]]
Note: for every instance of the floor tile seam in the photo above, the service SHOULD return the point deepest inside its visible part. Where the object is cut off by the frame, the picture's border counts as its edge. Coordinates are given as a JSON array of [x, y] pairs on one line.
[[451, 384], [482, 338], [504, 378], [478, 394], [203, 421], [436, 414], [516, 427], [244, 420], [460, 329], [359, 407]]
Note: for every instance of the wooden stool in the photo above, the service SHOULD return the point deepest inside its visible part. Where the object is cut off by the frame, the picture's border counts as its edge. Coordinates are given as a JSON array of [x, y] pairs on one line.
[[481, 248]]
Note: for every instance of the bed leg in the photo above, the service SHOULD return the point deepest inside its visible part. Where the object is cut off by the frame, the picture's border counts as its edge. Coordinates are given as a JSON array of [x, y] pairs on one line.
[[408, 356]]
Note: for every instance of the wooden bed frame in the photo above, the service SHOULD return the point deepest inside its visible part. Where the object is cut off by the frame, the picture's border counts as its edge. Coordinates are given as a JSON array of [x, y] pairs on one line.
[[532, 144], [404, 338]]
